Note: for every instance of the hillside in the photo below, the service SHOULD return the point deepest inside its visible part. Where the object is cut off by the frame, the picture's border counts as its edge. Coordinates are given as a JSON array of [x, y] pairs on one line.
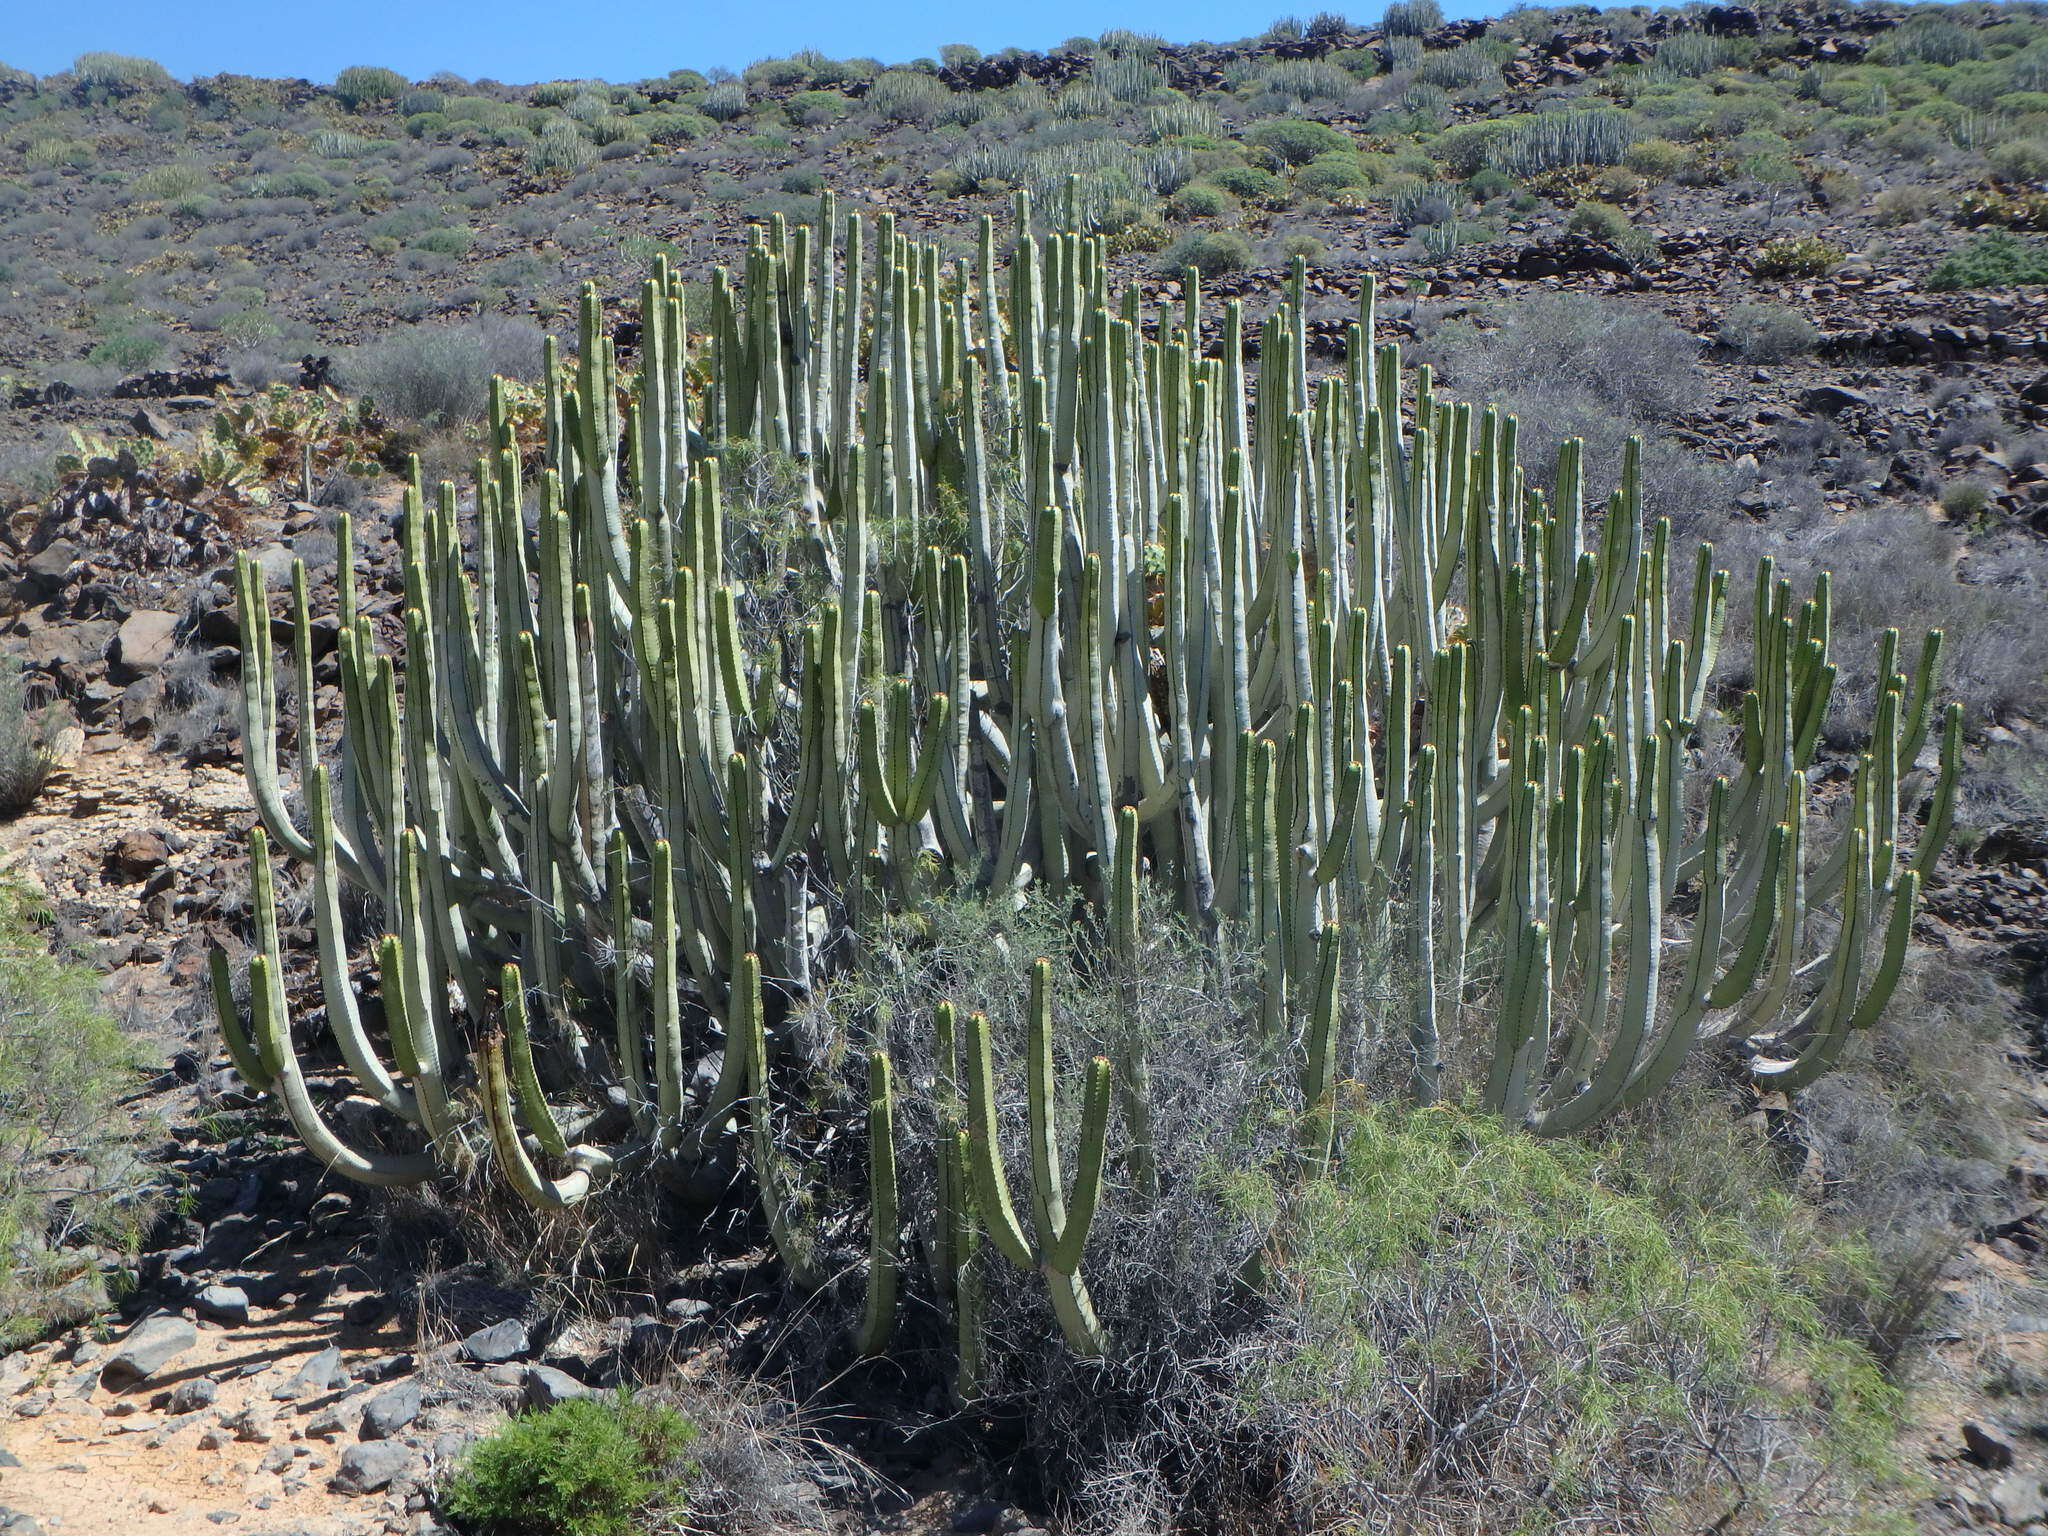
[[822, 550]]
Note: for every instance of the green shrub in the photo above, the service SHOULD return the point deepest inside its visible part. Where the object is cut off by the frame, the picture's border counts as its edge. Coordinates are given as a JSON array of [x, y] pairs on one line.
[[1607, 1303], [1655, 158], [1249, 184], [449, 240], [907, 96], [803, 181], [1412, 18], [813, 106], [71, 1177], [1485, 185], [164, 183], [587, 1467], [1210, 252], [367, 85], [2020, 159], [1796, 256], [1598, 221], [1199, 202], [674, 127], [1965, 500], [129, 350], [1297, 142], [1994, 259], [442, 374], [26, 754], [1330, 173], [1768, 333], [1304, 245], [119, 73]]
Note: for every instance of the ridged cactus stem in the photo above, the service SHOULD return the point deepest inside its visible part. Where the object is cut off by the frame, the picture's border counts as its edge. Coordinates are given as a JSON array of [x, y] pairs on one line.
[[1060, 1219], [878, 1318]]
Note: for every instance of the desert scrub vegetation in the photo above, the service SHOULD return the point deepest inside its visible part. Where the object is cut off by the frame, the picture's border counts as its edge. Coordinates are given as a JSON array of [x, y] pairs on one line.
[[1208, 987], [441, 374], [1451, 1318], [592, 1466], [75, 1196], [1996, 258], [28, 753]]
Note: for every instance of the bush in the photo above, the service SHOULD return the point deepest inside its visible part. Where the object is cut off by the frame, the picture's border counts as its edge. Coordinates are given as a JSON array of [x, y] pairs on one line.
[[1199, 202], [586, 1467], [443, 374], [367, 85], [450, 240], [71, 1178], [1796, 256], [1964, 501], [166, 183], [726, 100], [1250, 184], [1412, 18], [1210, 252], [907, 96], [1768, 333], [27, 755], [1329, 174], [120, 74], [1598, 221], [1297, 142], [1994, 259], [813, 106], [131, 351], [1620, 1301], [1655, 158]]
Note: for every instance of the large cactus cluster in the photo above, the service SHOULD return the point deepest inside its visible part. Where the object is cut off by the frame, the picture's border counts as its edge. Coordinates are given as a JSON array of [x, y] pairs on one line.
[[1069, 598]]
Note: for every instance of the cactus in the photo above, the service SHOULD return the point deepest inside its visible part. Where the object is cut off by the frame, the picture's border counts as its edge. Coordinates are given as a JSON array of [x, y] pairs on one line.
[[1069, 604], [1060, 1217]]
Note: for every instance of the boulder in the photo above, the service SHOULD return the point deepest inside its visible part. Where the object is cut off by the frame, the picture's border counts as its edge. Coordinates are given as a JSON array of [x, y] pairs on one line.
[[151, 1345], [144, 642], [318, 1374], [391, 1411], [545, 1386], [370, 1467], [496, 1344], [226, 1304]]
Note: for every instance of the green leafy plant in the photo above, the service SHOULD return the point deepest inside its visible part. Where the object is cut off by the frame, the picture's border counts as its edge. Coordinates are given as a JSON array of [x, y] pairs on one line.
[[1796, 256], [71, 1177], [1994, 259], [592, 1466]]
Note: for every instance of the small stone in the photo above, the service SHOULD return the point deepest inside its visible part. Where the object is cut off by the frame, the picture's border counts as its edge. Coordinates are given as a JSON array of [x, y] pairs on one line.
[[982, 1516], [191, 1396], [1830, 398], [211, 1440], [224, 1304], [327, 1424], [370, 1467], [1987, 1447], [318, 1374], [391, 1411], [2018, 1499], [276, 1459], [149, 424], [545, 1386], [496, 1344], [364, 1311], [253, 1425], [507, 1375], [151, 1345]]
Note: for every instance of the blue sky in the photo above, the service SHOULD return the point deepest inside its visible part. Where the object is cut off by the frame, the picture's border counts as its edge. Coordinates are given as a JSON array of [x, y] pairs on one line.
[[526, 40]]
